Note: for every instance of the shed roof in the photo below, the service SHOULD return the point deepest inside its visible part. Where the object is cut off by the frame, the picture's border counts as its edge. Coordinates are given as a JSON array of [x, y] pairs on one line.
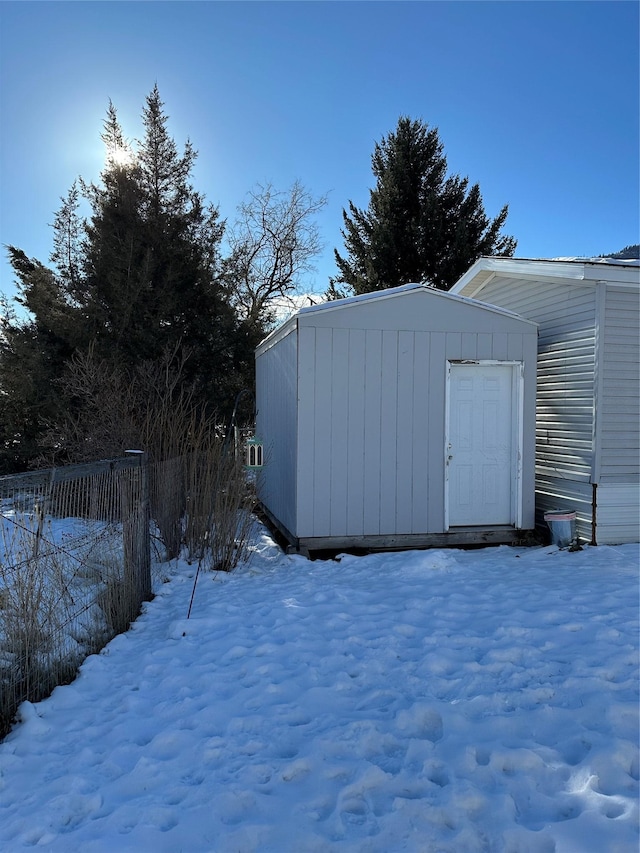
[[380, 295]]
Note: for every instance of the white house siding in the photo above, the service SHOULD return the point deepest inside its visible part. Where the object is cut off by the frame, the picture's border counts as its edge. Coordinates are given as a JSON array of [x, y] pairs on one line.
[[619, 407], [588, 412], [565, 387], [560, 493], [276, 419], [566, 359], [618, 517], [618, 475]]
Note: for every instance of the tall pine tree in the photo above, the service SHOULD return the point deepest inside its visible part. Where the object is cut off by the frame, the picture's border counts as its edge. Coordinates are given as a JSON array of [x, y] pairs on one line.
[[152, 261], [420, 225], [33, 354], [140, 278]]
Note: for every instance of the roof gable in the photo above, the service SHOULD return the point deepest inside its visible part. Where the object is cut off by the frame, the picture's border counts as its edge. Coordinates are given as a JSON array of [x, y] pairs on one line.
[[568, 270], [411, 306]]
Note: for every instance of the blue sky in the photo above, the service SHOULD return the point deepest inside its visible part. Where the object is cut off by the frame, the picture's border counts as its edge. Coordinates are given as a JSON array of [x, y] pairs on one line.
[[535, 101]]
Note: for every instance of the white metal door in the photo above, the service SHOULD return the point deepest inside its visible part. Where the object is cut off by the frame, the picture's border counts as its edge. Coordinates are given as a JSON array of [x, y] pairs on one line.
[[480, 458]]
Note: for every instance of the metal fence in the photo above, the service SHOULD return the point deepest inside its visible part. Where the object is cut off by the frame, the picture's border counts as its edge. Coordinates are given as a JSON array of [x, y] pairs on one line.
[[75, 566]]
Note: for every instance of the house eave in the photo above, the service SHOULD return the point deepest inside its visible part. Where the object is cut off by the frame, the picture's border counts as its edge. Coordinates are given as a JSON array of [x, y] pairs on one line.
[[569, 269]]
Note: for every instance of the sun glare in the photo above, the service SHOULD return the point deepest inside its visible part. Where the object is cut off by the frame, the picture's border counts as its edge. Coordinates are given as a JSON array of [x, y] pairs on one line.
[[120, 156]]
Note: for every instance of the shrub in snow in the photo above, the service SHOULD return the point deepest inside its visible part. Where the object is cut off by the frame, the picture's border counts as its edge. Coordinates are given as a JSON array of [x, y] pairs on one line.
[[62, 597]]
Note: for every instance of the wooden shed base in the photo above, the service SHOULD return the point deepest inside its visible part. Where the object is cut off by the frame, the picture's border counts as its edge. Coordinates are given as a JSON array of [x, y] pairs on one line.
[[456, 537]]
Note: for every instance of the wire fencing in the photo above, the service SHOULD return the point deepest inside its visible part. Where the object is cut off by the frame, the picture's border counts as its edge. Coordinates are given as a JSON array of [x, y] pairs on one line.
[[75, 567], [75, 551]]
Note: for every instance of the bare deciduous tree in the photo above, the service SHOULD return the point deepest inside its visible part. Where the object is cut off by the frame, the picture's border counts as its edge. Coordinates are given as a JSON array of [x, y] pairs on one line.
[[273, 243]]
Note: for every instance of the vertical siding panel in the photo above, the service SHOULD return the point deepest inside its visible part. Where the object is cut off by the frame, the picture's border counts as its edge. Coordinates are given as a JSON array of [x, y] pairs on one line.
[[322, 438], [373, 392], [500, 346], [404, 435], [530, 350], [453, 345], [435, 438], [514, 348], [306, 429], [389, 431], [453, 350], [357, 398], [276, 425], [469, 345], [485, 346], [355, 433], [339, 432], [420, 408]]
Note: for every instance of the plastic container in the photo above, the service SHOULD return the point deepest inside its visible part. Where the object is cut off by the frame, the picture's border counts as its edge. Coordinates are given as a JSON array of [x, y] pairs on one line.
[[562, 523]]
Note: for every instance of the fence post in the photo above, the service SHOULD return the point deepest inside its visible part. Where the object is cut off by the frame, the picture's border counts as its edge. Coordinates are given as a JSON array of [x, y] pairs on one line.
[[137, 534]]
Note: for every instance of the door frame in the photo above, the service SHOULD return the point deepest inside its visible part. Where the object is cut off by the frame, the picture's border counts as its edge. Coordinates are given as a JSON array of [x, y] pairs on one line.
[[517, 433]]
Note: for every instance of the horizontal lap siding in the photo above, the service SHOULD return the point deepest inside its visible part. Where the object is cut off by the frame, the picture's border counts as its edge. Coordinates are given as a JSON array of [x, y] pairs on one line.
[[565, 314], [564, 428], [618, 493], [620, 388], [554, 493], [276, 426], [618, 516]]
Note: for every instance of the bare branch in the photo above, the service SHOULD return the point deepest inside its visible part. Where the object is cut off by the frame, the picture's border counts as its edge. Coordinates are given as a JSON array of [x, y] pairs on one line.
[[273, 244]]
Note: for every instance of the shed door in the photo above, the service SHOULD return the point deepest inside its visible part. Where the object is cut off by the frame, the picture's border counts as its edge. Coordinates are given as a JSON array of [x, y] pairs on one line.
[[480, 458]]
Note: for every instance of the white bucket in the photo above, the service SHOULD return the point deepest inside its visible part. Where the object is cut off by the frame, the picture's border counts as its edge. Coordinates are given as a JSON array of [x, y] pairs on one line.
[[562, 523]]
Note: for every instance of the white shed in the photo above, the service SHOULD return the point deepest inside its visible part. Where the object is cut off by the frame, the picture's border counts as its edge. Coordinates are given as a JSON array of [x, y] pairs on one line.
[[588, 403], [401, 418]]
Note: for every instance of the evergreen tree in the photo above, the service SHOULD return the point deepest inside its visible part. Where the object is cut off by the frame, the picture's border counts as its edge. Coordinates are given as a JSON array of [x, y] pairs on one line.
[[140, 278], [68, 233], [152, 250], [33, 353], [629, 253], [420, 225], [139, 284]]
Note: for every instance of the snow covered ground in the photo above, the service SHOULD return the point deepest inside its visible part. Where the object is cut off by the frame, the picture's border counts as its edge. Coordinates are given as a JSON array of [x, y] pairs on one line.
[[437, 701]]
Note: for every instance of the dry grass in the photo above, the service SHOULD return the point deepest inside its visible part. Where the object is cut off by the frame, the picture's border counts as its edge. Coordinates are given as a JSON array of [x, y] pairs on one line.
[[219, 508], [59, 602], [151, 409], [56, 606]]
